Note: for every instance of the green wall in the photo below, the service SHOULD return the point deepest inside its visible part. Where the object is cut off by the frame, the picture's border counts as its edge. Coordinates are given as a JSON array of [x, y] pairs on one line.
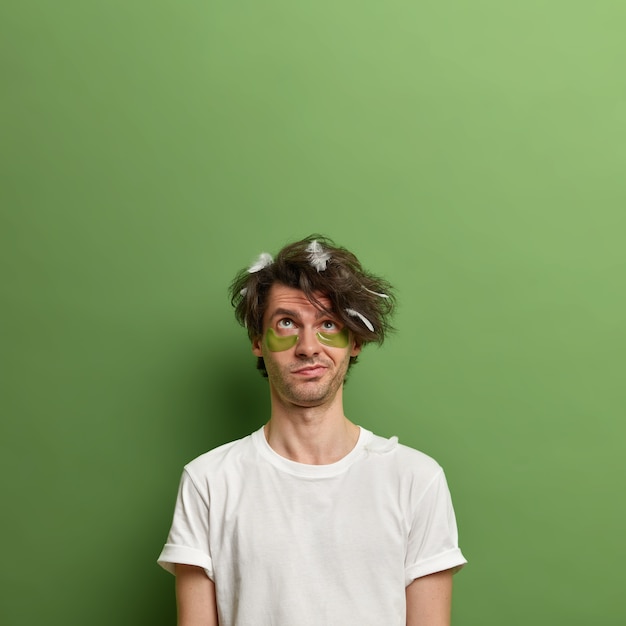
[[471, 152]]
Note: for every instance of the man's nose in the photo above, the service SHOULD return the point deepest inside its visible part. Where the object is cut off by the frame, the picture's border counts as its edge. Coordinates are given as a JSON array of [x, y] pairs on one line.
[[308, 344]]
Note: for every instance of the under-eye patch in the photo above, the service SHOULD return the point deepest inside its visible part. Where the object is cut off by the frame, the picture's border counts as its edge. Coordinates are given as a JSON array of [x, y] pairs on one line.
[[277, 343], [335, 340]]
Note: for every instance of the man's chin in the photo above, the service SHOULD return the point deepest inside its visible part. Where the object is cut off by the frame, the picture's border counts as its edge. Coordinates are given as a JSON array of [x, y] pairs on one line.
[[311, 399]]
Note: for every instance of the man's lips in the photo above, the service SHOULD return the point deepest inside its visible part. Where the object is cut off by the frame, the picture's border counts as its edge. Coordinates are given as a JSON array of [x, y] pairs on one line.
[[310, 371]]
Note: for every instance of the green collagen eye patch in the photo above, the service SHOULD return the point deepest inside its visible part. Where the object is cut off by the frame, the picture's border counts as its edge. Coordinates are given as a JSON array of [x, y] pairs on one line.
[[279, 344], [276, 343], [335, 340]]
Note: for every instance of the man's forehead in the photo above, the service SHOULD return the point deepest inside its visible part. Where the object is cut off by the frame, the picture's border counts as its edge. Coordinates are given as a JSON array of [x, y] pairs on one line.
[[283, 297]]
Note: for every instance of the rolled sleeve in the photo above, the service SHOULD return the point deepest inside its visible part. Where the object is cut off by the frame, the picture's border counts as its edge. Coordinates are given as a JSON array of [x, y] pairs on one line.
[[188, 539], [433, 537]]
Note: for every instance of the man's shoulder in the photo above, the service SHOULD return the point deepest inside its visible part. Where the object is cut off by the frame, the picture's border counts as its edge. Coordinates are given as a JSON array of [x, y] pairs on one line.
[[418, 457], [222, 456], [405, 457]]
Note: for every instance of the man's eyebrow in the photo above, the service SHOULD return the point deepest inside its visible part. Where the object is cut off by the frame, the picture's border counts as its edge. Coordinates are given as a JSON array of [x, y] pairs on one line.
[[284, 312], [289, 313], [321, 314]]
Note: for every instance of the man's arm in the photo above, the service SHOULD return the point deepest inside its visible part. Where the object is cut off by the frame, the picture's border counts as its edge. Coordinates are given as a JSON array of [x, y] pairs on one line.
[[195, 597], [429, 600]]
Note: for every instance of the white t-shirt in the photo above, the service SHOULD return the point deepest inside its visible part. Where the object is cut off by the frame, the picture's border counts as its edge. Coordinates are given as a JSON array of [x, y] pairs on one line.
[[289, 544]]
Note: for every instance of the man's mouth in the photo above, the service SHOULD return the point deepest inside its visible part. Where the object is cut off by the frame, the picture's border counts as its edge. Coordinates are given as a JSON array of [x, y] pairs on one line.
[[310, 371]]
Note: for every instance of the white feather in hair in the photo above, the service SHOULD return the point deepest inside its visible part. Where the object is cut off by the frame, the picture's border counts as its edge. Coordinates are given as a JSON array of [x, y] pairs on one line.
[[382, 295], [317, 256], [364, 319], [262, 262]]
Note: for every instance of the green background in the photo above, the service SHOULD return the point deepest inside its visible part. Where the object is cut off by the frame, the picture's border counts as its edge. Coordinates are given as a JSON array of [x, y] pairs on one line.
[[473, 153]]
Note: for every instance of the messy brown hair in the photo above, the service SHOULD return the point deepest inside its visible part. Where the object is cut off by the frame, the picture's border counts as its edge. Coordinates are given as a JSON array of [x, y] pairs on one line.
[[340, 278]]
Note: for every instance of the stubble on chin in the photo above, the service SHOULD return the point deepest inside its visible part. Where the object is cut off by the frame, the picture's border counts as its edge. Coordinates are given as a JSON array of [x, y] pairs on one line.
[[309, 392]]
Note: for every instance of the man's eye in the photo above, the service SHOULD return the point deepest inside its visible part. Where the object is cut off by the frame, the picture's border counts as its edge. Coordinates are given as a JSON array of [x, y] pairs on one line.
[[328, 325], [285, 323]]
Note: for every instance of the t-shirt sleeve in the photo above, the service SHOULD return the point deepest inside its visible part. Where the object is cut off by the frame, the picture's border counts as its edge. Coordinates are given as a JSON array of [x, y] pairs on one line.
[[433, 536], [188, 539]]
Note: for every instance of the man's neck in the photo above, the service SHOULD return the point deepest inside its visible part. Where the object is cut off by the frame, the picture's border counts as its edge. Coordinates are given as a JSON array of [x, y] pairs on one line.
[[311, 435]]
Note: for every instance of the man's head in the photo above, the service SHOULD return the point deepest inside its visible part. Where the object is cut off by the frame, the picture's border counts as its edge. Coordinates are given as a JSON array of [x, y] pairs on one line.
[[362, 302]]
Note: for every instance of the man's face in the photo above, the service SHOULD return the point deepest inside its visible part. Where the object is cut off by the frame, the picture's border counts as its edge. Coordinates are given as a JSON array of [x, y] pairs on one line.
[[306, 351]]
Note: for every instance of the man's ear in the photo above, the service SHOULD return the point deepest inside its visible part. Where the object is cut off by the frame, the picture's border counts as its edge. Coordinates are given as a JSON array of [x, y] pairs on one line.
[[256, 346], [356, 349]]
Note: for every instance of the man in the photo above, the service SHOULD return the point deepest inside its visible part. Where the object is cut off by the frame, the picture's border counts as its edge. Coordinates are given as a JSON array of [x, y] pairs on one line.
[[312, 520]]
